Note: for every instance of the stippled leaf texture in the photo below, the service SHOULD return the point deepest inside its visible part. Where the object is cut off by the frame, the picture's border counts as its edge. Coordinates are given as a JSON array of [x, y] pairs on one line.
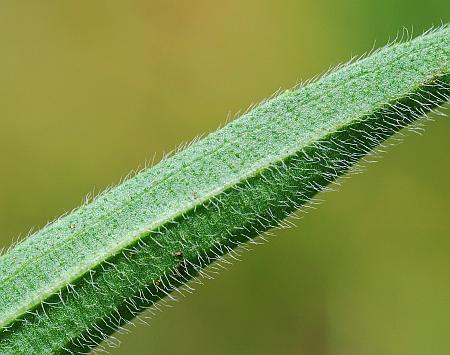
[[70, 286]]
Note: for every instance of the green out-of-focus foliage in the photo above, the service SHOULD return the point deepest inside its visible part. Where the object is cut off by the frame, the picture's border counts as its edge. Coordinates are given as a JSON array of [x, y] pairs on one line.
[[90, 90]]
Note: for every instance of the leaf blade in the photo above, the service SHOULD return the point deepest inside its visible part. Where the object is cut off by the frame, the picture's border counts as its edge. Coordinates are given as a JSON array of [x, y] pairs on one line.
[[121, 252]]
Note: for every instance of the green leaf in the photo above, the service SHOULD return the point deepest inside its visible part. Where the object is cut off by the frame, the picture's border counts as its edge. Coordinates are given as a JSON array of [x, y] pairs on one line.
[[72, 284]]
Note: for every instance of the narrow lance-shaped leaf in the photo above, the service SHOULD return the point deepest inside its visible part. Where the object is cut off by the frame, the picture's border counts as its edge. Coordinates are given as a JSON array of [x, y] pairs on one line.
[[72, 284]]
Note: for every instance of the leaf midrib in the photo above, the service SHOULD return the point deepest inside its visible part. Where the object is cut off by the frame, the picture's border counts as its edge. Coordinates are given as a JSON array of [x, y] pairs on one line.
[[261, 165], [210, 196]]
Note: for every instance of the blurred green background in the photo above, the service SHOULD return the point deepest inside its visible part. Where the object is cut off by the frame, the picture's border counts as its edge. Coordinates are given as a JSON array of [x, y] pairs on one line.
[[91, 89]]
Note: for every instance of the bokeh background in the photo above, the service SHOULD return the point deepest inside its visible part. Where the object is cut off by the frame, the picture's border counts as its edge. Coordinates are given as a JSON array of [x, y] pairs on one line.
[[90, 90]]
